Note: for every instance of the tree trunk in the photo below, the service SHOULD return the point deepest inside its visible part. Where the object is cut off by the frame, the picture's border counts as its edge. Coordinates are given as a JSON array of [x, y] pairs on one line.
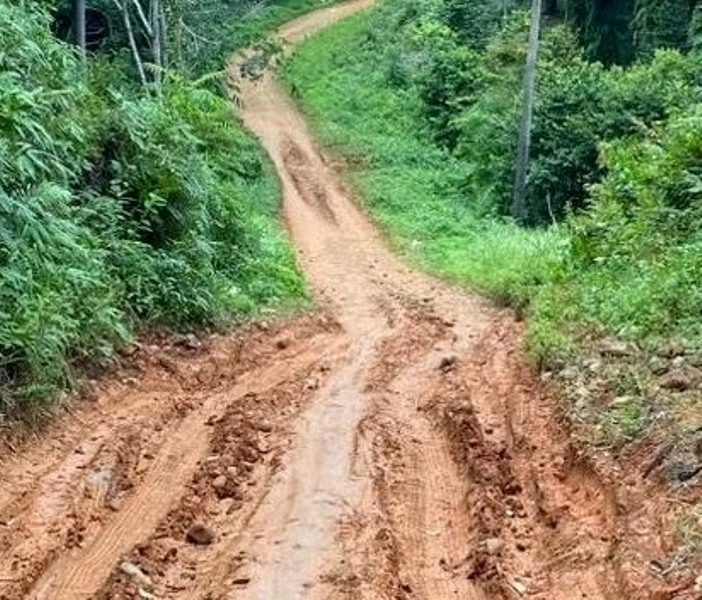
[[124, 10], [519, 208], [156, 43], [79, 24]]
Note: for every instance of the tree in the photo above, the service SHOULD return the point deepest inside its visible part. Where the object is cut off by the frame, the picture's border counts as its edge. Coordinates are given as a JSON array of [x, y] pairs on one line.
[[78, 7], [519, 208], [662, 23], [151, 25]]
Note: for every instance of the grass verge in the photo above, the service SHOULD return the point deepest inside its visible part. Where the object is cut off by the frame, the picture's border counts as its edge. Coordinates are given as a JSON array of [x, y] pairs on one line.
[[413, 188]]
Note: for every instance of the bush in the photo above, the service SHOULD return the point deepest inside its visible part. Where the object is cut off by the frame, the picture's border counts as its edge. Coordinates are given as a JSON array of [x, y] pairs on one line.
[[636, 253], [119, 211]]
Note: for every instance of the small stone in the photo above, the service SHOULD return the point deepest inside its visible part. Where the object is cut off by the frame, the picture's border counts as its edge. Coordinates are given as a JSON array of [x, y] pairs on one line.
[[672, 349], [658, 366], [494, 545], [698, 584], [569, 374], [265, 426], [129, 350], [681, 379], [593, 365], [623, 400], [200, 535], [135, 572], [219, 482], [617, 348], [115, 504], [233, 472], [678, 362], [518, 587], [191, 342]]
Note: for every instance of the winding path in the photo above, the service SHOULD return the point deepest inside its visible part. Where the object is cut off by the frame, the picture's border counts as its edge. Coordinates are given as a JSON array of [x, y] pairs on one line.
[[392, 445]]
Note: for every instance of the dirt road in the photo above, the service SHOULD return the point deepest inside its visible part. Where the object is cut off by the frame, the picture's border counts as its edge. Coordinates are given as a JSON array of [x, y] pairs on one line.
[[393, 445]]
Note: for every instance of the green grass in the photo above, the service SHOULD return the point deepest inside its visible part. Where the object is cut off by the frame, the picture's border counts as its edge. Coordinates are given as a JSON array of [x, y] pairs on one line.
[[413, 188], [628, 267]]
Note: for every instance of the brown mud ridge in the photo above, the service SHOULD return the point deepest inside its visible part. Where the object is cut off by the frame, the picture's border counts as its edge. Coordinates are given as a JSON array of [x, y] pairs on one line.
[[395, 445]]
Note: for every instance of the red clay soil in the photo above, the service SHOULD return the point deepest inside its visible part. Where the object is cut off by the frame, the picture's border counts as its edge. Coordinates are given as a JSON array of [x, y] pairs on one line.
[[394, 445]]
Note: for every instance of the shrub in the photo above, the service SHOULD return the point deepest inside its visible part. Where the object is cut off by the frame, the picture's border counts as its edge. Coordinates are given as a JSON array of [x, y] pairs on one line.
[[119, 210]]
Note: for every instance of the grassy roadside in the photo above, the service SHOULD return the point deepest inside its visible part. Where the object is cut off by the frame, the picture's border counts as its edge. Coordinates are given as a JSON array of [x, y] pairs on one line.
[[603, 331], [413, 188]]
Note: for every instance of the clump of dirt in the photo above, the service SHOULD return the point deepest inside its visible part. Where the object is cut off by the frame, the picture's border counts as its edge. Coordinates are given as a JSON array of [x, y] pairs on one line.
[[420, 329], [247, 443]]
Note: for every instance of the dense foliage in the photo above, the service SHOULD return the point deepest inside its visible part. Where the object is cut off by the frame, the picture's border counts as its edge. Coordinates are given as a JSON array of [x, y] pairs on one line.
[[119, 208], [427, 105]]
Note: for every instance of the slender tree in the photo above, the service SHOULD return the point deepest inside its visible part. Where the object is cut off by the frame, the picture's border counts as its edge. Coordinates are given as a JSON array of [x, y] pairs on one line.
[[79, 24], [519, 208], [150, 23]]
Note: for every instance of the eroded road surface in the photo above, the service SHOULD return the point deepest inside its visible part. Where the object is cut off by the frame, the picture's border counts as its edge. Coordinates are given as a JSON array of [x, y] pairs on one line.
[[392, 445]]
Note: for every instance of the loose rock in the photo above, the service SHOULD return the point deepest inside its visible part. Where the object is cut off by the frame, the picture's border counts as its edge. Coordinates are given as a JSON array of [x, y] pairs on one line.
[[265, 426], [200, 535], [494, 545], [613, 347], [519, 587], [133, 571], [219, 482], [681, 379], [672, 349], [658, 366]]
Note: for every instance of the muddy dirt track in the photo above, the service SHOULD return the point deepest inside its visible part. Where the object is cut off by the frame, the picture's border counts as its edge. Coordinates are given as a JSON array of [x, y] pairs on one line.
[[392, 445]]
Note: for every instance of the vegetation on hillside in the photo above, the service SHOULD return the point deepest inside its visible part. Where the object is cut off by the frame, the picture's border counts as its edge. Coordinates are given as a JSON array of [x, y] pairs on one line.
[[424, 98], [125, 206]]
